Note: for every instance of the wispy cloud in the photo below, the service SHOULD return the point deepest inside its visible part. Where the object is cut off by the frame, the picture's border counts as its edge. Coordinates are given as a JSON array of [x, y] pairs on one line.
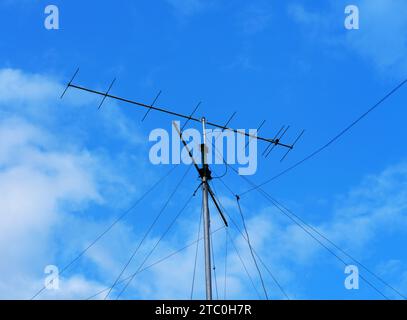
[[382, 35], [43, 182], [189, 7], [381, 39], [36, 183], [374, 210], [255, 18]]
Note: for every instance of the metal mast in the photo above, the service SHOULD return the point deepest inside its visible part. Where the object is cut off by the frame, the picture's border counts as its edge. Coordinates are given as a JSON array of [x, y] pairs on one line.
[[205, 177]]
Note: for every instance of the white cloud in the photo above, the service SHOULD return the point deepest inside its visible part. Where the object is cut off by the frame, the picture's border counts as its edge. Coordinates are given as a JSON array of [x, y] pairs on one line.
[[18, 87], [37, 182], [45, 183], [378, 205], [375, 210], [37, 97]]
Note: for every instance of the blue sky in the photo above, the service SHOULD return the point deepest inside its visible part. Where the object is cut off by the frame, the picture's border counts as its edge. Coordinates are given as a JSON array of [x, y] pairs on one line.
[[67, 170]]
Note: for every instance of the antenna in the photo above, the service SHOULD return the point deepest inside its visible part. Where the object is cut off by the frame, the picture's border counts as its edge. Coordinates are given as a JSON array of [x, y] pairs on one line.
[[176, 114], [204, 172]]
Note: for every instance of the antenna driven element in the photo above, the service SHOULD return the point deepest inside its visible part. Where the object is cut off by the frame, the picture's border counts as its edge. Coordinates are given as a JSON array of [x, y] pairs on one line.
[[190, 116], [295, 141], [69, 83], [106, 94], [258, 129], [152, 105], [227, 122], [275, 138], [277, 141]]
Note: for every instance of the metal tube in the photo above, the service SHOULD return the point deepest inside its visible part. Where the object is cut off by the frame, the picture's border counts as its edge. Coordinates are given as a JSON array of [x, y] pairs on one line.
[[207, 244], [190, 118]]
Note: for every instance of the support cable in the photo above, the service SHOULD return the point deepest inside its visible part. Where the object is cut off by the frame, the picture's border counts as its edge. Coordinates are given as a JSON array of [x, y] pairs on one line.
[[244, 265], [251, 248], [226, 265], [155, 263], [269, 198], [324, 246], [331, 141], [341, 250], [257, 255], [157, 243], [214, 270], [196, 254], [115, 222], [148, 232]]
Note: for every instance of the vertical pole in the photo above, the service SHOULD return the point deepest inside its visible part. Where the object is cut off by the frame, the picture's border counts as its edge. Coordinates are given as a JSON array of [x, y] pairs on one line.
[[207, 244]]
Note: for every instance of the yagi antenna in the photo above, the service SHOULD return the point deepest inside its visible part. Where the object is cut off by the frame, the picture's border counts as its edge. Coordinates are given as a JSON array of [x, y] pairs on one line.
[[203, 171], [152, 105], [176, 114]]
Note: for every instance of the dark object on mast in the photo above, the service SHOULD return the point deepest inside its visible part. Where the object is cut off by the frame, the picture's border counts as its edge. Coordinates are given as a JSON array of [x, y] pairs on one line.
[[217, 206]]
